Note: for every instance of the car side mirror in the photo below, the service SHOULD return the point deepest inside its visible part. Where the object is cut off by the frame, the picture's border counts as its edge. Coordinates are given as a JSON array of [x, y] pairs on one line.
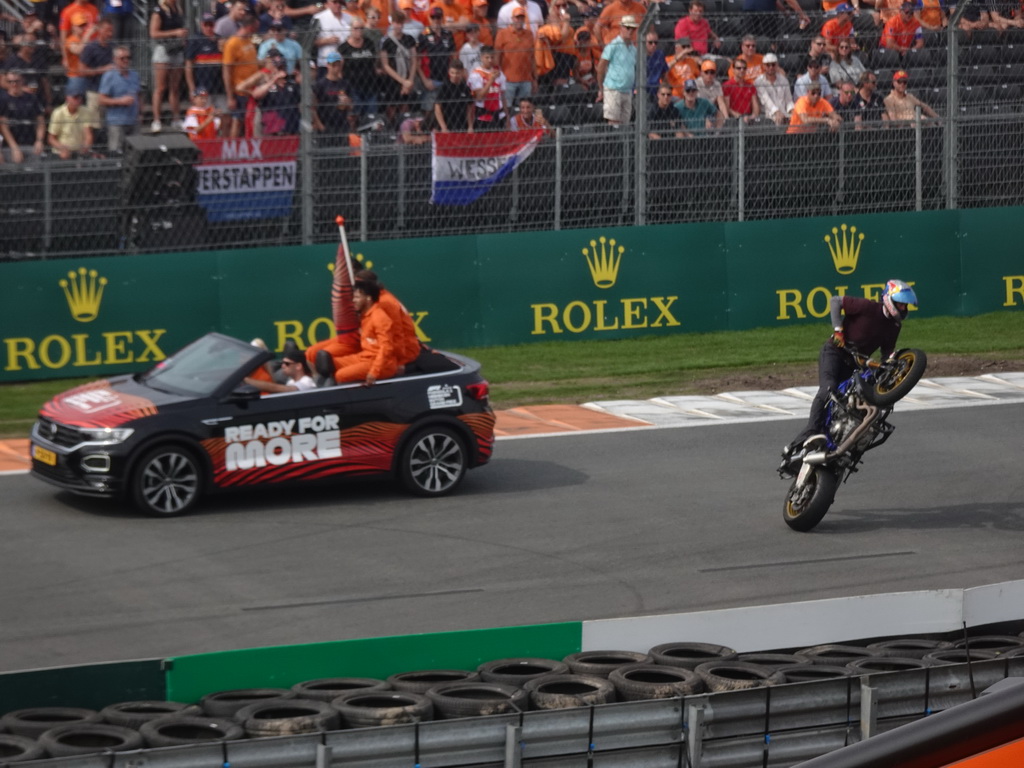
[[243, 393]]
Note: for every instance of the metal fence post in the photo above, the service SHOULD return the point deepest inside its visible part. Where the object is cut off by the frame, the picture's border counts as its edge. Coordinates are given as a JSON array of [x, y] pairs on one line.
[[513, 746], [306, 159], [918, 161], [741, 169], [952, 105], [694, 733], [364, 185], [868, 711], [558, 179]]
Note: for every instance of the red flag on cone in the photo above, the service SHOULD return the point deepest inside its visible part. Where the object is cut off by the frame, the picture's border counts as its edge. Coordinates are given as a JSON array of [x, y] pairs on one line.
[[346, 320]]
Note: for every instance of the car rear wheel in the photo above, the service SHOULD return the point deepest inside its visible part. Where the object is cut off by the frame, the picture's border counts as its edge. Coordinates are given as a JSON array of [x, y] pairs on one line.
[[433, 462], [167, 481]]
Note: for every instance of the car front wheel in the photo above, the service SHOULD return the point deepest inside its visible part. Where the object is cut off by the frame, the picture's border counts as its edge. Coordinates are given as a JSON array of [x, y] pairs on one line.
[[433, 462], [166, 482]]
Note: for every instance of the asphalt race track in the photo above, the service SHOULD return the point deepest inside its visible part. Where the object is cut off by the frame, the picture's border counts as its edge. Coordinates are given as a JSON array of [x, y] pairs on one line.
[[557, 528]]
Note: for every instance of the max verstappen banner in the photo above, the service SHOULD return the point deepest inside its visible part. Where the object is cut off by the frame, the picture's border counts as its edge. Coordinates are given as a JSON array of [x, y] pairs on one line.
[[241, 179], [466, 165]]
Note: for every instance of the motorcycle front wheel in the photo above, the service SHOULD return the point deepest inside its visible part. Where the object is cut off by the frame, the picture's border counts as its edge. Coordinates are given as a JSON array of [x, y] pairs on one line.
[[807, 504], [893, 385]]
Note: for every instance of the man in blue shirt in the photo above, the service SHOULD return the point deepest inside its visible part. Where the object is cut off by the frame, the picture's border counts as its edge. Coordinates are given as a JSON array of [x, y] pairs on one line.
[[616, 73], [697, 114], [119, 94]]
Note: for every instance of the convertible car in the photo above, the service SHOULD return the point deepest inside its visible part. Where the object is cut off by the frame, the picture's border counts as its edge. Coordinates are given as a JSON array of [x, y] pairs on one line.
[[191, 425]]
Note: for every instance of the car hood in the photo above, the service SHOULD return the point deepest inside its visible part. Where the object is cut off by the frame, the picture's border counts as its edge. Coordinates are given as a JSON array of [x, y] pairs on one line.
[[107, 403]]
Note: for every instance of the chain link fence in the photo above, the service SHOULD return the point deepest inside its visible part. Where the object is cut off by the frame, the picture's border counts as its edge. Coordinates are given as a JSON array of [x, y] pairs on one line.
[[364, 158]]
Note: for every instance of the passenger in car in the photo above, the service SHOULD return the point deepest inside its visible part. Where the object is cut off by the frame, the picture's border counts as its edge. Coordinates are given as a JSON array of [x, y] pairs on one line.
[[407, 343], [293, 365], [377, 356]]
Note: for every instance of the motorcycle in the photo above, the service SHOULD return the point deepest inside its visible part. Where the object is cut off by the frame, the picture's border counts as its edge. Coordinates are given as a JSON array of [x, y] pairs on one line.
[[856, 421]]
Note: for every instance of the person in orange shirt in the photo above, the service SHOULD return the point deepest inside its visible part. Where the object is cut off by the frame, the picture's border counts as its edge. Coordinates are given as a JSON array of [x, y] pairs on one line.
[[682, 66], [376, 358], [555, 44], [607, 26], [754, 60], [885, 10], [74, 43], [514, 56], [838, 28], [456, 17], [84, 7], [407, 343], [201, 120], [479, 17], [810, 111], [933, 14], [902, 32], [239, 63]]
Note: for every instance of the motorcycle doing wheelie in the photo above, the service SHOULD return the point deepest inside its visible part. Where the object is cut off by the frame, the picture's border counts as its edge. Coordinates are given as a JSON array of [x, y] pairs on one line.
[[856, 421]]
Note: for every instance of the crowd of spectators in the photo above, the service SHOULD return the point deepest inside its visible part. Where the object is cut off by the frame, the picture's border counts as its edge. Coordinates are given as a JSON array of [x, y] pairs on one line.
[[72, 84]]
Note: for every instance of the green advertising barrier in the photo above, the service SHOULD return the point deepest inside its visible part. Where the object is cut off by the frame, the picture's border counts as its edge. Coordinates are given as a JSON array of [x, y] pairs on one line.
[[191, 677], [99, 316], [92, 686]]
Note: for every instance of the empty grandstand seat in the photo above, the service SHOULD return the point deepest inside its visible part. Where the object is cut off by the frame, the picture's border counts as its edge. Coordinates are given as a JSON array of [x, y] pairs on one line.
[[1006, 92], [666, 29], [975, 94], [732, 7], [798, 43], [918, 57], [887, 58], [984, 37], [981, 54], [1013, 53], [934, 97], [980, 74]]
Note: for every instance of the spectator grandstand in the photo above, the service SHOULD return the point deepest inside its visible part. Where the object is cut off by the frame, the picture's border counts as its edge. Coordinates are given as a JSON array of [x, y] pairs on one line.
[[155, 194]]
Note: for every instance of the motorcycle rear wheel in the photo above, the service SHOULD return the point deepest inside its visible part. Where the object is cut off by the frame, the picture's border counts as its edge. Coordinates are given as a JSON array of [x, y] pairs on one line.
[[908, 370], [807, 505]]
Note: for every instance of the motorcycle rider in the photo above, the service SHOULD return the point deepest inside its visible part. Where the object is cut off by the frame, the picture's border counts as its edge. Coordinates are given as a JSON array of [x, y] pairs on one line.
[[866, 325]]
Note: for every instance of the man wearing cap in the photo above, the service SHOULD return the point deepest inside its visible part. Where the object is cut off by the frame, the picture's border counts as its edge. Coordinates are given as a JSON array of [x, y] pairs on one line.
[[278, 39], [709, 89], [83, 7], [514, 55], [616, 73], [811, 76], [901, 105], [479, 18], [607, 27], [696, 27], [682, 66], [811, 111], [773, 91], [697, 115], [903, 31], [296, 371], [436, 45], [71, 125], [204, 63], [839, 27], [332, 105], [201, 119], [534, 15]]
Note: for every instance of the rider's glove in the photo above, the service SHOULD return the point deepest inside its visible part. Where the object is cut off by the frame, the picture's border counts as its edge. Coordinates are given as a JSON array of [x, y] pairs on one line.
[[838, 340]]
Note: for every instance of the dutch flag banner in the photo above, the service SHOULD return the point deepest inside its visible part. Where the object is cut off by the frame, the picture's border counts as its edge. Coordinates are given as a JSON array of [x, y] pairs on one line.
[[466, 165]]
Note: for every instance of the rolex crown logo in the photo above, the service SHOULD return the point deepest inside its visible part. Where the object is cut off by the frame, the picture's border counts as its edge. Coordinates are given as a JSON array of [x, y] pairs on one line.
[[359, 260], [84, 291], [845, 248], [604, 261]]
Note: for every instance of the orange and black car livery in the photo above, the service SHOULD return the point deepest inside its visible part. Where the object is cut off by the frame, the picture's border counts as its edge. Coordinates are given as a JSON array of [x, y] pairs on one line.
[[190, 425]]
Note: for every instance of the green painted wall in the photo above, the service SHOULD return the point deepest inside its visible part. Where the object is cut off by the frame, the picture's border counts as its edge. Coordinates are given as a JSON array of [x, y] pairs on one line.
[[93, 686], [191, 677], [120, 314]]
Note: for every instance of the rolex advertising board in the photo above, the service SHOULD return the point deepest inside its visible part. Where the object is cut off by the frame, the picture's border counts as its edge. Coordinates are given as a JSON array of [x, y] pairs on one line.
[[108, 315]]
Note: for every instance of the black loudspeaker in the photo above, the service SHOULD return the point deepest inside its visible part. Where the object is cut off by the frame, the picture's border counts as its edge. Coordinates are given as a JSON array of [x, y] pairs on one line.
[[170, 228], [158, 170]]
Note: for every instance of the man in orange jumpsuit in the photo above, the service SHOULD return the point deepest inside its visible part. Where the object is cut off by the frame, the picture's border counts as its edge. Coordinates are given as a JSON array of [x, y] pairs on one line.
[[407, 343], [376, 358]]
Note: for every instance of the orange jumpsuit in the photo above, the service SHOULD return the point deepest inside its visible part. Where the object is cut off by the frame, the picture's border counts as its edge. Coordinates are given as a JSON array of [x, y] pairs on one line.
[[407, 344], [377, 349]]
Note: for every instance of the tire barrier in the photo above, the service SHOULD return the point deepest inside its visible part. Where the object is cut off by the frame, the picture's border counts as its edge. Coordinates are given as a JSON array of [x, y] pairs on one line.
[[909, 647], [89, 738], [601, 663], [636, 682], [518, 671], [808, 673], [871, 664], [423, 680], [178, 731], [227, 703], [454, 700], [568, 691], [997, 643], [134, 714], [690, 655], [365, 709], [37, 720], [774, 660], [330, 688], [958, 656], [737, 675], [18, 749], [836, 654], [288, 717]]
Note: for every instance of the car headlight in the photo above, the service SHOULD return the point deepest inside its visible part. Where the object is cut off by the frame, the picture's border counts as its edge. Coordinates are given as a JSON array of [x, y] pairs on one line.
[[106, 435]]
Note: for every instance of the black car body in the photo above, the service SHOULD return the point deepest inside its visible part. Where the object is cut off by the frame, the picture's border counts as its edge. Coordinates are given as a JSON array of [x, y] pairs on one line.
[[191, 425]]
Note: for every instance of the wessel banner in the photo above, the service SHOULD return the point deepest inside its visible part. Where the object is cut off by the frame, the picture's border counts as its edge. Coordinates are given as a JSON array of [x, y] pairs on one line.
[[111, 315]]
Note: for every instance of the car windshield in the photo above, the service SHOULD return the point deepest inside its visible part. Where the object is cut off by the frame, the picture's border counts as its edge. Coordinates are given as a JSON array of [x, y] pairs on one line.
[[202, 367]]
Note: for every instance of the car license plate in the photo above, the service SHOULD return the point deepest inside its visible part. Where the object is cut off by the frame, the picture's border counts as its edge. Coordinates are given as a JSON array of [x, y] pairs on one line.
[[46, 457]]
